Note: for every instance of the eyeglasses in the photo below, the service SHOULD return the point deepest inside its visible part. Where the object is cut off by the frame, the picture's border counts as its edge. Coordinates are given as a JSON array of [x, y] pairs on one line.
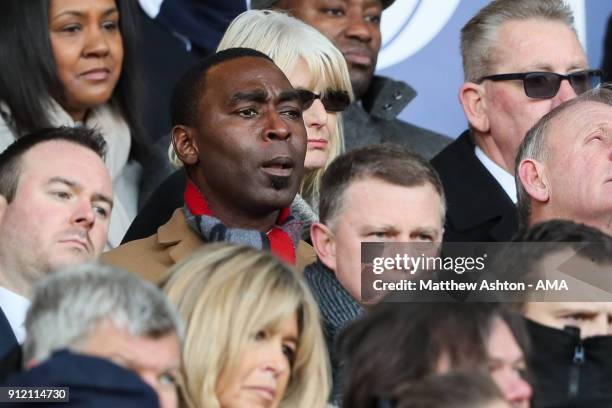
[[333, 100], [544, 85]]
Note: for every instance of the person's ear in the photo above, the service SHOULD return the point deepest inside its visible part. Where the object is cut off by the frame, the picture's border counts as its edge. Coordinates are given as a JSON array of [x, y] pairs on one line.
[[3, 207], [324, 243], [185, 146], [532, 176], [472, 98]]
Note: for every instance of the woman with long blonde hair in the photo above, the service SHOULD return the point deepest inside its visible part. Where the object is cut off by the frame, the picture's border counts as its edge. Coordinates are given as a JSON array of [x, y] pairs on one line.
[[253, 333]]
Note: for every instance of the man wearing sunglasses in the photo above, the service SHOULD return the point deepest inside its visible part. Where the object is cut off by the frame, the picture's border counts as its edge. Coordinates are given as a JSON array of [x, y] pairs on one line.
[[354, 27], [521, 59]]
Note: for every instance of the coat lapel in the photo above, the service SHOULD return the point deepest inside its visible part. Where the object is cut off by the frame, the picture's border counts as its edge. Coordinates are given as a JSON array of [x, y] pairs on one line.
[[178, 238]]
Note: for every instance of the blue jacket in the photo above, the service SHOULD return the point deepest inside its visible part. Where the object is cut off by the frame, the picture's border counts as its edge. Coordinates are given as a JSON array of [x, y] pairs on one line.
[[93, 382]]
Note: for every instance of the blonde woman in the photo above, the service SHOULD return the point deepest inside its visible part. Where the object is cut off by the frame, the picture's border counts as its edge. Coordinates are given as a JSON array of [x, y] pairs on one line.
[[253, 333], [315, 67]]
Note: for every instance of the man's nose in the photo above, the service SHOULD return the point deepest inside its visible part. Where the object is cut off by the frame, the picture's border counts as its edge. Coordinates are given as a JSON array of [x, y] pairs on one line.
[[565, 93], [83, 214], [276, 128], [357, 27], [518, 392]]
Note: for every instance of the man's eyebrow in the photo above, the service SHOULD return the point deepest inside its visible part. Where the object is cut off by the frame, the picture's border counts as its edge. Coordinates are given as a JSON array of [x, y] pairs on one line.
[[73, 185], [426, 230], [287, 96], [62, 180], [259, 96], [384, 226], [583, 309], [541, 66], [103, 197]]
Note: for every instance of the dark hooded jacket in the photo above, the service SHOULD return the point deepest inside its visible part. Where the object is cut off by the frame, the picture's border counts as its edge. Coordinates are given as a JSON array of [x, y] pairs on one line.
[[568, 371]]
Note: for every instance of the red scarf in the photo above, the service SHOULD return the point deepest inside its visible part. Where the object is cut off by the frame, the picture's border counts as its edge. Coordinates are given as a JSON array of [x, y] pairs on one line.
[[282, 239]]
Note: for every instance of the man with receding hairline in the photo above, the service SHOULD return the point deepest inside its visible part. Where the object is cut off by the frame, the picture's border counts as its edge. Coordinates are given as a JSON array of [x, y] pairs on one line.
[[564, 165], [55, 204]]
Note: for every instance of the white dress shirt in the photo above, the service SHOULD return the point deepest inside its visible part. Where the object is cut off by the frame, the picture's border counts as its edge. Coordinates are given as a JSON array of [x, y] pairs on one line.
[[15, 308], [505, 179]]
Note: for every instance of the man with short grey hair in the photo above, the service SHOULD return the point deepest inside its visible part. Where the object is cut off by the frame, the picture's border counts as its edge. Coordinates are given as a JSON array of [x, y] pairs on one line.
[[564, 165], [104, 312], [521, 59], [354, 27]]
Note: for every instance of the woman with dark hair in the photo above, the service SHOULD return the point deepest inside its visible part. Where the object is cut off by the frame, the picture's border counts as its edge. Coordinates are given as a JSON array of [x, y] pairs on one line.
[[69, 62]]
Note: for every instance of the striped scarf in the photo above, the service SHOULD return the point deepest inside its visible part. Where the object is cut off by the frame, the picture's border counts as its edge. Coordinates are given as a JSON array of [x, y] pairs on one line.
[[282, 239]]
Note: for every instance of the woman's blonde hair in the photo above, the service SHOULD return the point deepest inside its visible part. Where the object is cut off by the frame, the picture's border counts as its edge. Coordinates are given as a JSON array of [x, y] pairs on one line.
[[226, 294], [286, 39]]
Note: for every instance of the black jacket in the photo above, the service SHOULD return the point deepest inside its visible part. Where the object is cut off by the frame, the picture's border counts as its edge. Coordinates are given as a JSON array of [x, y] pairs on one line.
[[374, 120], [567, 371], [7, 337], [10, 350], [478, 208]]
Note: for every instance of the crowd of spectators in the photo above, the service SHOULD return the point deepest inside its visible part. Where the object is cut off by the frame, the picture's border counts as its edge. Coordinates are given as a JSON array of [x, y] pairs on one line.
[[218, 258]]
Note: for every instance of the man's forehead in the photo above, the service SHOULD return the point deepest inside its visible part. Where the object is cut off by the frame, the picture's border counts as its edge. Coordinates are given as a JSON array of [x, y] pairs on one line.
[[526, 45], [62, 158], [369, 183], [582, 117], [52, 146], [246, 72], [362, 190]]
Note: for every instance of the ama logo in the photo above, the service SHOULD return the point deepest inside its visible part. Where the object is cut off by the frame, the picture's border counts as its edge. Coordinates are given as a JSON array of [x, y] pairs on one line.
[[409, 25]]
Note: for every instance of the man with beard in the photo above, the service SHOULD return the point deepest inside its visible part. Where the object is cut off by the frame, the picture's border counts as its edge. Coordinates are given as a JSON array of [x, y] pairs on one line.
[[238, 129], [354, 27]]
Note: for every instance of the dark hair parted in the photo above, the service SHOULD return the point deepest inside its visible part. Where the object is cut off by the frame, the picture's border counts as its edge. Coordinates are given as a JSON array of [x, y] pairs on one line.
[[10, 158], [456, 389], [400, 343], [388, 162], [191, 86], [28, 74]]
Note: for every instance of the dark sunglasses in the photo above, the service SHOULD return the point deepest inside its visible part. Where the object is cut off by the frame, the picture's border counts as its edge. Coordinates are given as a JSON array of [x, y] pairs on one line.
[[544, 85], [332, 100]]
